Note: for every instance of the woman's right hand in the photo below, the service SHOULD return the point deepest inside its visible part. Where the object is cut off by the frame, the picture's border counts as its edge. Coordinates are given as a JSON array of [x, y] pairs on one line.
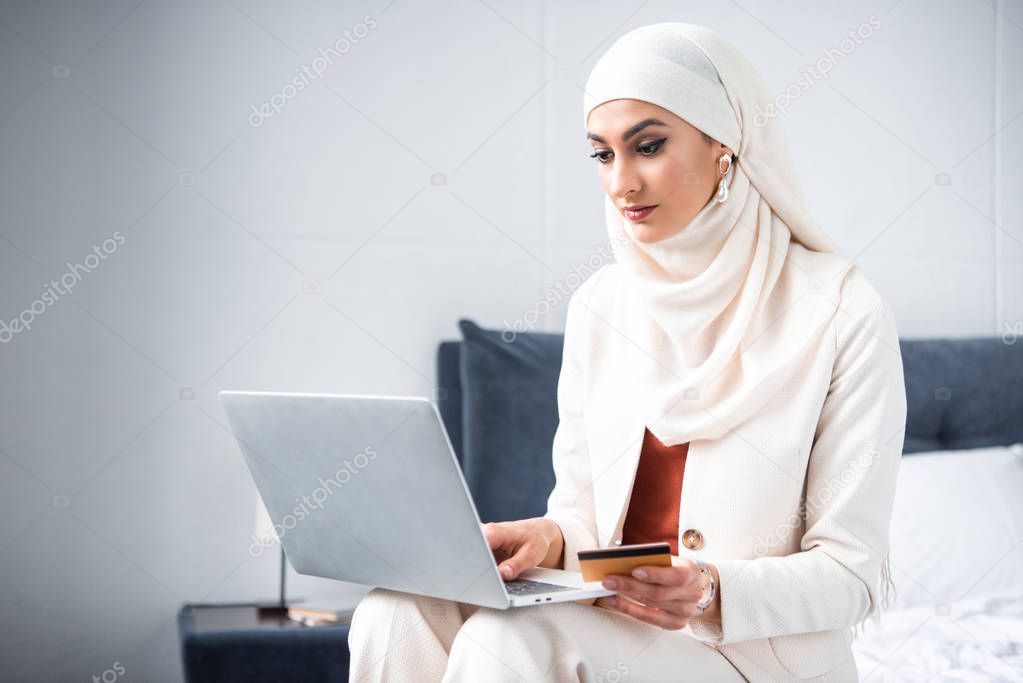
[[524, 544]]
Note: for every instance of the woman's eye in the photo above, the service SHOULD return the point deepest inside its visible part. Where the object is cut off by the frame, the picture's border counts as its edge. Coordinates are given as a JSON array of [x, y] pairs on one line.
[[646, 149], [651, 147]]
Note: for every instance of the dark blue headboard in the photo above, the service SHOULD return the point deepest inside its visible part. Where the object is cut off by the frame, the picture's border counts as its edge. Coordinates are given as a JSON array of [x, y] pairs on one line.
[[961, 393], [450, 385]]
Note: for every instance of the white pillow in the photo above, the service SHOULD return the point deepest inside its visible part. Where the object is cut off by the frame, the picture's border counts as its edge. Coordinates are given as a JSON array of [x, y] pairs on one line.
[[957, 525]]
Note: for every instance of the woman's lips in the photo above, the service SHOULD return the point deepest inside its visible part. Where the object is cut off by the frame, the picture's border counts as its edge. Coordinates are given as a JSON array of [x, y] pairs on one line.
[[638, 214]]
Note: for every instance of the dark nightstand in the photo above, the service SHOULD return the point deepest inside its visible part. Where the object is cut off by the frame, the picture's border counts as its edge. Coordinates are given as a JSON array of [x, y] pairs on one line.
[[246, 643]]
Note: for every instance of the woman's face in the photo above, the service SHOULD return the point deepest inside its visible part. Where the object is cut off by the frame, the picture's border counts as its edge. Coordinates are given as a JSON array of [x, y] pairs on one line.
[[649, 157]]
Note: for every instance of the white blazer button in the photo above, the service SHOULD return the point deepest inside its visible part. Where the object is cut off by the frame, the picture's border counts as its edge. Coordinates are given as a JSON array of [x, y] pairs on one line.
[[618, 541], [692, 539]]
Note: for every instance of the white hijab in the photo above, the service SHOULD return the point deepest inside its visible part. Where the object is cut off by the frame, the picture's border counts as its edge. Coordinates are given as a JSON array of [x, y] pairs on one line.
[[736, 302]]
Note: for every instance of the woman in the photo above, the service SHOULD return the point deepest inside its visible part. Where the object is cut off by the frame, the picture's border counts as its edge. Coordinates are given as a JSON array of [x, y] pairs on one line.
[[731, 385]]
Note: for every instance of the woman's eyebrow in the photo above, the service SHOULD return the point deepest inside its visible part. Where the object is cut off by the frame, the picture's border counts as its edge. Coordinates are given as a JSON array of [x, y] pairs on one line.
[[630, 132]]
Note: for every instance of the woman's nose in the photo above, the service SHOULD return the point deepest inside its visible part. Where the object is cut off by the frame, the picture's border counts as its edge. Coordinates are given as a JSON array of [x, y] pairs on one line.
[[624, 180]]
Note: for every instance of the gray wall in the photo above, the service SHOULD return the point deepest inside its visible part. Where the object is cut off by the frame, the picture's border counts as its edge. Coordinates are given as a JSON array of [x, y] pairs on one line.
[[434, 169]]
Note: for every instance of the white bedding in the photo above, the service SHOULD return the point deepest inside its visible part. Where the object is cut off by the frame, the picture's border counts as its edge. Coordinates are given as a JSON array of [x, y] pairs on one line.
[[957, 559], [979, 639]]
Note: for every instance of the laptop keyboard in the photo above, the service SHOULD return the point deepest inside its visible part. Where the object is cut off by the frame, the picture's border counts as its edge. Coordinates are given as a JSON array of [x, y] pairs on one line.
[[527, 587]]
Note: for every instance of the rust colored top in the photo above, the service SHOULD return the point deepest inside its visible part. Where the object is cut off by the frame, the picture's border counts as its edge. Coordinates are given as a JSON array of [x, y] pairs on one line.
[[654, 506]]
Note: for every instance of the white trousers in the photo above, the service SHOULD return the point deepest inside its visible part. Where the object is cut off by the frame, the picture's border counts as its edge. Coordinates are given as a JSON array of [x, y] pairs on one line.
[[397, 637]]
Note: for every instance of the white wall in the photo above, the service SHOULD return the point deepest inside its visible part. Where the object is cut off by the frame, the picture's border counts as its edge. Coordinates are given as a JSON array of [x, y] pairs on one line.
[[314, 252]]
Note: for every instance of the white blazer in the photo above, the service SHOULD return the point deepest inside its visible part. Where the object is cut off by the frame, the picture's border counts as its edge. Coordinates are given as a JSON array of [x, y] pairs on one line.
[[793, 506]]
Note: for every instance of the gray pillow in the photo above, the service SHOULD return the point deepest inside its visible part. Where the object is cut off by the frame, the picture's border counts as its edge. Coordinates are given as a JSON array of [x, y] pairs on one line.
[[509, 416]]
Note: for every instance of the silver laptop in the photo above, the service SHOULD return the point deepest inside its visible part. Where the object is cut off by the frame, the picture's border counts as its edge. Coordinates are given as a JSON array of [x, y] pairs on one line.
[[367, 489]]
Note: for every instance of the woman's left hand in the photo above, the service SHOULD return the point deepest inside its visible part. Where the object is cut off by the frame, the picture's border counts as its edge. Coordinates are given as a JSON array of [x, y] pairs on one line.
[[668, 594]]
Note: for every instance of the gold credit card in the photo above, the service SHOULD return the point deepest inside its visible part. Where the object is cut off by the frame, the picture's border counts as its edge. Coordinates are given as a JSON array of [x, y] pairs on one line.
[[622, 559]]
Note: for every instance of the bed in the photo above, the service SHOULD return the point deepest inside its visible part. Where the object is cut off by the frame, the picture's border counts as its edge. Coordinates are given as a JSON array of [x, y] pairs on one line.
[[957, 522], [957, 558]]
